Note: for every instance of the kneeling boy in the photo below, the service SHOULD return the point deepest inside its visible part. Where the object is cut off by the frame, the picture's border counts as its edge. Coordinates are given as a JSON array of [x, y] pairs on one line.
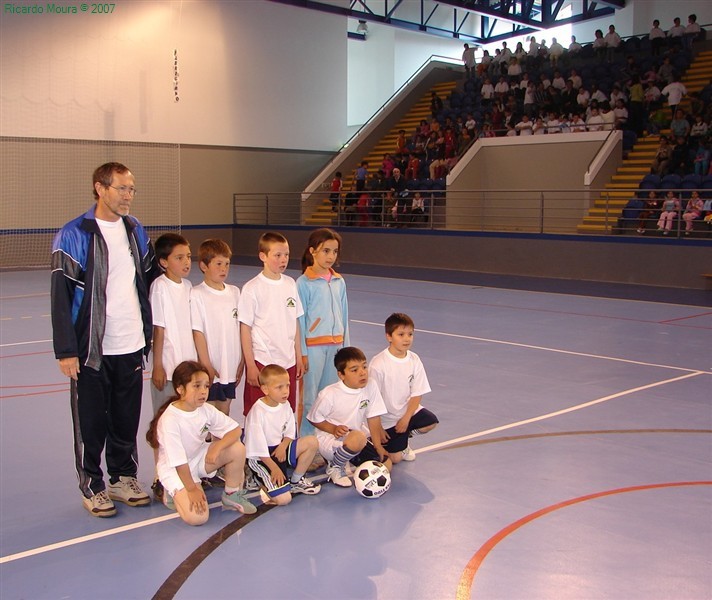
[[401, 379], [271, 440], [346, 416]]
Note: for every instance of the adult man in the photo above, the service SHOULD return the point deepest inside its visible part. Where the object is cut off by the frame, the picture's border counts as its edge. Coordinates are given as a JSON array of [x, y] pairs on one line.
[[468, 57], [102, 266]]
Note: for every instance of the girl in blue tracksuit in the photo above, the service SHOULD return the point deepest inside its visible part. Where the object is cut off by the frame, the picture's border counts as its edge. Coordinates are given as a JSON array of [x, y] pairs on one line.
[[324, 326]]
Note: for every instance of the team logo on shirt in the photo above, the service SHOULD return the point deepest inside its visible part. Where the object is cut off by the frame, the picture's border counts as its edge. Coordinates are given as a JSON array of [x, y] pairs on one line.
[[364, 403], [234, 313], [291, 302], [204, 429]]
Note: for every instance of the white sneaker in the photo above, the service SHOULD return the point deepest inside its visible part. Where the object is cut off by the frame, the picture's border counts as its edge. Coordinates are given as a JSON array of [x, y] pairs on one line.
[[408, 454], [338, 476], [99, 505], [128, 490]]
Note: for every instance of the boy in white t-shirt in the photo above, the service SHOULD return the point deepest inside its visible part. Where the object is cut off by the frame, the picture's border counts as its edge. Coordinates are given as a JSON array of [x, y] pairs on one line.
[[268, 311], [170, 305], [346, 416], [272, 445], [216, 329], [401, 378]]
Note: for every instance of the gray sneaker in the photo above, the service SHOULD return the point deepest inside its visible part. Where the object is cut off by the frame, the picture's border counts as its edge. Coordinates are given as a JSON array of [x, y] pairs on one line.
[[251, 484], [237, 501], [100, 505], [305, 486], [128, 491]]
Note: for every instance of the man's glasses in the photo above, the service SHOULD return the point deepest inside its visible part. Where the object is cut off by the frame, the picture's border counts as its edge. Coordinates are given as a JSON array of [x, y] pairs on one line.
[[124, 190]]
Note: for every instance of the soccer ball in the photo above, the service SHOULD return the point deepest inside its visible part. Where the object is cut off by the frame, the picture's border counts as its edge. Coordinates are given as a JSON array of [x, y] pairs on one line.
[[372, 479]]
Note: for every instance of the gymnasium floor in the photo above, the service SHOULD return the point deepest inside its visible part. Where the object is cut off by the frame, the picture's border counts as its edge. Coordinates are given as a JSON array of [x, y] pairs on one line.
[[573, 460]]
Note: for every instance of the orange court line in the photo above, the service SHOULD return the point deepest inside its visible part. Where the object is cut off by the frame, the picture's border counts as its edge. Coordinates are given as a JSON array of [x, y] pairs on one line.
[[464, 587]]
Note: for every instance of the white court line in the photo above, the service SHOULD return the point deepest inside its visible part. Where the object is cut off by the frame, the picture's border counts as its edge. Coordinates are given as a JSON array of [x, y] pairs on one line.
[[101, 534], [563, 411], [25, 343], [544, 348], [138, 525]]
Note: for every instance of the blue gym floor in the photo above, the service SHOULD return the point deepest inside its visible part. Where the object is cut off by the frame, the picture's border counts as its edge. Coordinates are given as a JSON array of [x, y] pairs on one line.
[[573, 460]]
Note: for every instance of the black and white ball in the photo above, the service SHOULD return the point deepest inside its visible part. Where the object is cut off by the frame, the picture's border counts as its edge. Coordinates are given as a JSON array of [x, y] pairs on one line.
[[372, 479]]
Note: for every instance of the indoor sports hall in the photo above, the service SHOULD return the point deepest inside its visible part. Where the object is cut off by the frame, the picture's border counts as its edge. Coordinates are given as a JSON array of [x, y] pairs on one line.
[[567, 340]]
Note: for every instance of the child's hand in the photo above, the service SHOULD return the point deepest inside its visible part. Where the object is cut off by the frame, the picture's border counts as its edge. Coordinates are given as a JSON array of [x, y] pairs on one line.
[[253, 374], [196, 498], [212, 374], [402, 424], [158, 377], [341, 431], [300, 370], [305, 362], [277, 476], [280, 453], [384, 436]]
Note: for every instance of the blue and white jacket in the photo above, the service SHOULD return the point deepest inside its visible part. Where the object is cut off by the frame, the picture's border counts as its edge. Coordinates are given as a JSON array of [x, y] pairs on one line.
[[326, 313], [80, 267]]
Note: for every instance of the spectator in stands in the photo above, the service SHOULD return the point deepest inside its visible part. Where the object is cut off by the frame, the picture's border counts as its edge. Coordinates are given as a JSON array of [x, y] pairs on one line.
[[401, 143], [336, 185], [568, 97], [539, 128], [377, 186], [484, 65], [583, 97], [514, 70], [699, 130], [553, 125], [418, 209], [574, 46], [597, 94], [543, 53], [524, 127], [361, 176], [608, 116], [436, 104], [617, 94], [612, 41], [670, 209], [650, 211], [556, 51], [657, 38], [502, 88], [657, 120], [471, 124], [621, 115], [693, 211], [651, 96], [680, 160], [505, 55], [599, 45], [575, 79], [412, 170], [692, 31], [635, 106], [529, 102], [545, 81], [675, 33], [468, 58], [702, 158], [388, 165], [675, 92], [464, 142], [521, 90], [577, 124], [666, 72], [520, 53], [679, 126], [558, 81], [661, 161], [595, 121], [487, 92]]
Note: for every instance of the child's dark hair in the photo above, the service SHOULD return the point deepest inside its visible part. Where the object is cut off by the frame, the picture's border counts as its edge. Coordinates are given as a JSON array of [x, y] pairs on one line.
[[211, 248], [269, 238], [164, 245], [316, 239], [182, 376], [346, 355], [271, 371], [398, 320]]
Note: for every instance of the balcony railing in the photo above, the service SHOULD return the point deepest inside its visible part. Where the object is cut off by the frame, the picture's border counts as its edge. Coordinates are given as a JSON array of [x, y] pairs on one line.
[[575, 212]]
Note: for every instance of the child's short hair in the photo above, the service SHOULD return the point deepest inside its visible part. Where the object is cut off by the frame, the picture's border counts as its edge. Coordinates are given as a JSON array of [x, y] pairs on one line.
[[398, 320], [268, 239], [316, 239], [211, 248], [347, 355], [165, 244], [270, 371]]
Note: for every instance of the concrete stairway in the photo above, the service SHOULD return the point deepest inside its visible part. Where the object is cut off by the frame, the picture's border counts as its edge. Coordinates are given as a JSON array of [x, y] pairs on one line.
[[323, 215], [602, 217]]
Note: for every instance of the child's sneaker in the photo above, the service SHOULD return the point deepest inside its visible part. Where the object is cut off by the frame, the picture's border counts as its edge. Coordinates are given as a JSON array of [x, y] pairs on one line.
[[251, 483], [408, 454], [100, 505], [305, 486], [237, 501], [158, 491], [128, 491], [338, 476]]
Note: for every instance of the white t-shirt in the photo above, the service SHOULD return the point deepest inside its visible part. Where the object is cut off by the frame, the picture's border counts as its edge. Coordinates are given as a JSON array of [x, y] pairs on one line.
[[170, 303], [267, 426], [398, 379], [214, 313], [124, 325], [181, 438], [271, 308], [674, 91], [341, 405]]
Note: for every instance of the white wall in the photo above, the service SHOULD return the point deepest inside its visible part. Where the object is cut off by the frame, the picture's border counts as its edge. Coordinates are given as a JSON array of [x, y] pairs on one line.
[[252, 74]]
